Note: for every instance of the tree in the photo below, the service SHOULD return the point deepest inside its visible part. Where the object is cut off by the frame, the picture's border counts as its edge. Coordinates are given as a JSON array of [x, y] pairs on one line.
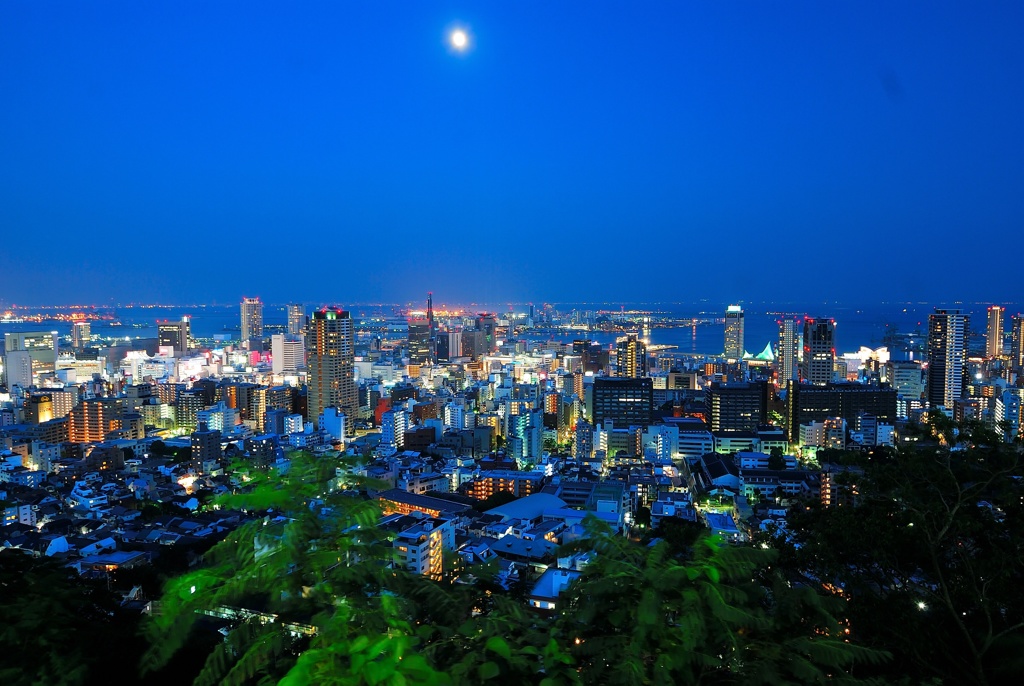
[[58, 628], [643, 615], [681, 535], [311, 595], [643, 516], [938, 581], [318, 564], [777, 460]]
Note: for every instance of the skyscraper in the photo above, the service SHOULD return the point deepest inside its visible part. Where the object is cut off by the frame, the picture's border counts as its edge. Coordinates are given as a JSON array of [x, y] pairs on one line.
[[1017, 342], [419, 340], [947, 356], [296, 319], [81, 332], [994, 333], [41, 346], [789, 350], [734, 332], [91, 420], [430, 318], [252, 318], [488, 323], [736, 406], [331, 364], [288, 353], [819, 350], [175, 334], [631, 357], [627, 402], [18, 369]]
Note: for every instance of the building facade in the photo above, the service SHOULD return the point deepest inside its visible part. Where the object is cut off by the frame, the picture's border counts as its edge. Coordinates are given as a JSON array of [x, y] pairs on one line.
[[631, 357], [788, 351], [331, 363], [296, 319], [176, 335], [1017, 343], [626, 402], [947, 357], [994, 332], [734, 332], [819, 350], [252, 318]]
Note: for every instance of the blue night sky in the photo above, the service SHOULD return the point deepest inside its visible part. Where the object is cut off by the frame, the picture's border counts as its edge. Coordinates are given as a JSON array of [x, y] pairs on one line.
[[198, 151]]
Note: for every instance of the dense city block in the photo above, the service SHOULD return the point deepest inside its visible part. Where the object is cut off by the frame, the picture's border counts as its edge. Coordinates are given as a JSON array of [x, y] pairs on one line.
[[510, 454]]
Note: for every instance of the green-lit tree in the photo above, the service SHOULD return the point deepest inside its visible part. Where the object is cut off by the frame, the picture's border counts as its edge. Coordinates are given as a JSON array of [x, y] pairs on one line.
[[310, 596], [307, 587]]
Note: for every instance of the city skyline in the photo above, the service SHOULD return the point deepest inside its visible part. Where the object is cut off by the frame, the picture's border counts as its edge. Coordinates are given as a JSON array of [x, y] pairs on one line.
[[417, 302], [324, 357], [857, 128]]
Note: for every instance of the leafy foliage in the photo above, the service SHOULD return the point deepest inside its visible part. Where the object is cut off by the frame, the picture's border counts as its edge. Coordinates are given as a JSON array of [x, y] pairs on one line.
[[56, 628], [641, 614], [938, 577], [315, 559], [310, 596]]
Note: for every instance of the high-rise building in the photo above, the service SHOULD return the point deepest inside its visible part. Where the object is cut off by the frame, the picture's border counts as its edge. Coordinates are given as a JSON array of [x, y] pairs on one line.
[[331, 364], [994, 332], [419, 340], [18, 369], [906, 377], [789, 351], [1007, 414], [451, 343], [188, 405], [52, 404], [91, 420], [627, 402], [205, 447], [248, 398], [734, 332], [1017, 342], [296, 319], [252, 318], [812, 403], [176, 335], [473, 344], [583, 440], [488, 324], [736, 406], [590, 354], [430, 319], [81, 332], [393, 424], [819, 350], [288, 353], [631, 357], [41, 347], [947, 357]]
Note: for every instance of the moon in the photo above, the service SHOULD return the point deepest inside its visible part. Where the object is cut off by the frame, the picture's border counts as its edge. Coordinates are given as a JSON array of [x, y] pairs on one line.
[[459, 39]]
